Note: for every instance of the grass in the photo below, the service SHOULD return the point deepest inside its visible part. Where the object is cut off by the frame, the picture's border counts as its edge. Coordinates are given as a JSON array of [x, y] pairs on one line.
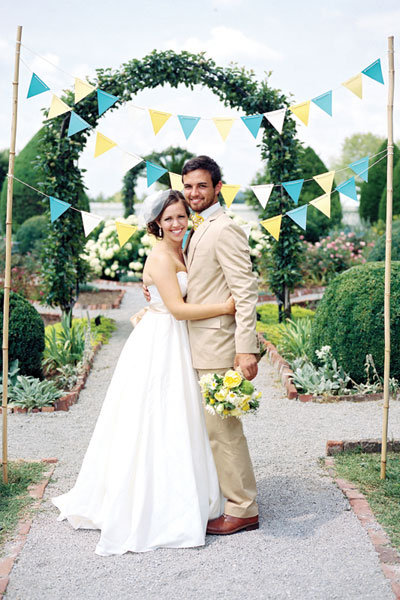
[[14, 497], [269, 325], [383, 495]]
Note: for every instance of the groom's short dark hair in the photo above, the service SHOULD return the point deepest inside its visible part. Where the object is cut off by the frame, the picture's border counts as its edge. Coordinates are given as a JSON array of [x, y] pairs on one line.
[[207, 164]]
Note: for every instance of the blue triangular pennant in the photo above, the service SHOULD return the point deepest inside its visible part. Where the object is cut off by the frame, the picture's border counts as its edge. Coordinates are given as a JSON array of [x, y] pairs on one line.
[[76, 123], [154, 172], [105, 100], [360, 167], [57, 208], [37, 86], [293, 188], [348, 188], [374, 70], [188, 124], [253, 123], [299, 215], [324, 101]]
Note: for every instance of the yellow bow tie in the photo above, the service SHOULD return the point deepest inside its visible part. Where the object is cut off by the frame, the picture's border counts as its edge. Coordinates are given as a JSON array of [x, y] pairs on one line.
[[197, 220]]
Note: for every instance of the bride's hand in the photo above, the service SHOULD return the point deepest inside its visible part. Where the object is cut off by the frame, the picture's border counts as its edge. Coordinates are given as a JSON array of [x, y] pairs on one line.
[[230, 306]]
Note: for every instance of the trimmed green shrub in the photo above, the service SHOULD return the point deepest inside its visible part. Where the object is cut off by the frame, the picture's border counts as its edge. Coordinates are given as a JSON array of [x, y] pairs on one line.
[[31, 233], [396, 195], [349, 318], [378, 251], [26, 335]]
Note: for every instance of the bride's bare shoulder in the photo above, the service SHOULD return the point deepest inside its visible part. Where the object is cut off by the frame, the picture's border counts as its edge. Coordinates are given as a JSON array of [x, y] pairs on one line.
[[158, 259]]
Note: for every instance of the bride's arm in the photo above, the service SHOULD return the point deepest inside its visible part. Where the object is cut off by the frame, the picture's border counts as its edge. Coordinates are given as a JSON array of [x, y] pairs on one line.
[[163, 273]]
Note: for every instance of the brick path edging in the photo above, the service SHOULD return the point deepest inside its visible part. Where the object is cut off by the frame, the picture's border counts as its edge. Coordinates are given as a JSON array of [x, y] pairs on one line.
[[389, 558], [36, 491], [368, 446], [115, 304]]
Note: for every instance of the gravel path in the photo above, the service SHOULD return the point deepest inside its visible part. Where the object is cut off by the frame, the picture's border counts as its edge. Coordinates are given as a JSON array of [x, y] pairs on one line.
[[309, 545]]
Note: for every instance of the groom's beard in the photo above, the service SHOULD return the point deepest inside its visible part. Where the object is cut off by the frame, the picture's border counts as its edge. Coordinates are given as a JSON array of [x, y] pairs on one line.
[[200, 204]]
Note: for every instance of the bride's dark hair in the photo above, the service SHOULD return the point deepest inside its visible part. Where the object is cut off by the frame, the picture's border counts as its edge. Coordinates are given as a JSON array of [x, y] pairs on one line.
[[173, 198]]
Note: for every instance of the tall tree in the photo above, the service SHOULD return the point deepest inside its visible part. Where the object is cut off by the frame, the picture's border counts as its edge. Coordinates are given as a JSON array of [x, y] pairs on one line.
[[354, 147]]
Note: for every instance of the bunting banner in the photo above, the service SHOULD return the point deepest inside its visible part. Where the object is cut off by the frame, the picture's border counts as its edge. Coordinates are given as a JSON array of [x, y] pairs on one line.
[[36, 86], [129, 161], [224, 126], [105, 101], [82, 89], [374, 70], [293, 188], [124, 232], [302, 111], [176, 181], [89, 222], [247, 229], [354, 84], [273, 226], [158, 119], [229, 193], [324, 101], [154, 172], [263, 192], [57, 208], [348, 188], [76, 124], [276, 118], [360, 168], [299, 215], [57, 108], [253, 124], [188, 124], [103, 144], [323, 204], [325, 180]]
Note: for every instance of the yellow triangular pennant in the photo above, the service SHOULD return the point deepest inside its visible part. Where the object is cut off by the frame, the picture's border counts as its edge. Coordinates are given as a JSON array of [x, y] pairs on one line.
[[273, 226], [82, 89], [103, 144], [323, 203], [124, 232], [325, 180], [229, 193], [354, 84], [224, 126], [301, 111], [176, 181], [158, 119], [58, 107]]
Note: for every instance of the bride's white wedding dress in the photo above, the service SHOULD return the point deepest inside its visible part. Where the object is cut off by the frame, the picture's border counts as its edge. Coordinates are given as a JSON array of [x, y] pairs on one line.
[[148, 478]]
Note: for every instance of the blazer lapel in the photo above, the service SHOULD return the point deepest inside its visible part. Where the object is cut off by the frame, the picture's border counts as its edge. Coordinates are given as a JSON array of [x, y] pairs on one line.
[[198, 234]]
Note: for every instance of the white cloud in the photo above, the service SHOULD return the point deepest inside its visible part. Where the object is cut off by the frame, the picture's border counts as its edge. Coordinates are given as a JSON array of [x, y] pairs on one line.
[[49, 63], [227, 43], [380, 21], [227, 2]]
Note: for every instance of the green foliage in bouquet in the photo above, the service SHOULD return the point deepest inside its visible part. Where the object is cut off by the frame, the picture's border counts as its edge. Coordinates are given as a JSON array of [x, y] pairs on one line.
[[229, 395]]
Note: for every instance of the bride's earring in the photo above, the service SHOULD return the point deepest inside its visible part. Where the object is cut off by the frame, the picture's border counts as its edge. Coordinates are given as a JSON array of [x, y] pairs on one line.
[[159, 232]]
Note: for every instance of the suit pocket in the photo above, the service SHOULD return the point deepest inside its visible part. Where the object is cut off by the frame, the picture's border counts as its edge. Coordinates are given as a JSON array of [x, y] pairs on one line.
[[213, 323]]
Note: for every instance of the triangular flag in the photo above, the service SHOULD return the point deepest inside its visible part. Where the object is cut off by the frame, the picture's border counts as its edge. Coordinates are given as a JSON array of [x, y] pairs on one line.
[[176, 181], [293, 188], [57, 208], [129, 161], [37, 86], [105, 100], [323, 203], [360, 167], [247, 229], [124, 232], [301, 111], [263, 192], [224, 126], [103, 144], [76, 124], [154, 172], [82, 89], [276, 118], [229, 193], [158, 119], [89, 222], [374, 71], [188, 124], [299, 215], [325, 180], [354, 84], [57, 107], [273, 226], [253, 123], [324, 101], [348, 188]]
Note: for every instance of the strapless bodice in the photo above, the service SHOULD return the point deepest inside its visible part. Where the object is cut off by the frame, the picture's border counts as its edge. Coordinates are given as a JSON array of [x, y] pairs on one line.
[[156, 303]]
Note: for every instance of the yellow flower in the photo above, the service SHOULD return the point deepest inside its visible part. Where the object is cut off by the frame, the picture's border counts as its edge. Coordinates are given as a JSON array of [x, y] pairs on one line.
[[245, 407], [221, 395], [235, 412], [226, 411], [232, 379], [212, 401]]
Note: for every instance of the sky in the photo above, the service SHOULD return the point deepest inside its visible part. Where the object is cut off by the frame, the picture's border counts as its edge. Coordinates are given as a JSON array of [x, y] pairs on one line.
[[310, 47]]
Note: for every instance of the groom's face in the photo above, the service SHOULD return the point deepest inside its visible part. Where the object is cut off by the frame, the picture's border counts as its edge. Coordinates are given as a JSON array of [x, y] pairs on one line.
[[199, 189]]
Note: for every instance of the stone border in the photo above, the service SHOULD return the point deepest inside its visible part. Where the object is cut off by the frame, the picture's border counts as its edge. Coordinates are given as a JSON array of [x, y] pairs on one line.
[[286, 375], [368, 446], [36, 491], [389, 558], [70, 397], [115, 304], [297, 296]]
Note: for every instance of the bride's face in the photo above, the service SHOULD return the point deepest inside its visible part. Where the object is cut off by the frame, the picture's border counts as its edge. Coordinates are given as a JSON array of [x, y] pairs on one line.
[[174, 222]]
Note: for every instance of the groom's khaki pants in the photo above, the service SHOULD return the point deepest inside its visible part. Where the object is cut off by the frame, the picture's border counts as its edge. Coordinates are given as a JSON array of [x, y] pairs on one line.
[[233, 462]]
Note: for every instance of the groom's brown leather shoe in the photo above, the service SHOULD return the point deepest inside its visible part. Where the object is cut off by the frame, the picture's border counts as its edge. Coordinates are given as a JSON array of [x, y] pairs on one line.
[[226, 524]]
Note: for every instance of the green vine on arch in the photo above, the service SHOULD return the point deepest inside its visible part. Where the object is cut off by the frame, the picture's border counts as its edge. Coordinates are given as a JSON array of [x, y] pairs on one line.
[[63, 268]]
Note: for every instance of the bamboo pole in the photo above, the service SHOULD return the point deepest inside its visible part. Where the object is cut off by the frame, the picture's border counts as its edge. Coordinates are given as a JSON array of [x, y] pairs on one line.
[[7, 278], [388, 256]]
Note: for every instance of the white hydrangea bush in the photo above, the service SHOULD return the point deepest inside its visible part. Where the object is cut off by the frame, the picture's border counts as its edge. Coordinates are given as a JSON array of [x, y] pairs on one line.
[[258, 241]]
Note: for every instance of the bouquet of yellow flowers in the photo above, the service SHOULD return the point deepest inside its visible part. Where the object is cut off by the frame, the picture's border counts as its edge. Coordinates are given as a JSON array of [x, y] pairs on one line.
[[229, 395]]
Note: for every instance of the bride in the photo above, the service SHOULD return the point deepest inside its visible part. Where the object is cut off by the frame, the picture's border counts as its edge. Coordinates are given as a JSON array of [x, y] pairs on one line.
[[148, 478]]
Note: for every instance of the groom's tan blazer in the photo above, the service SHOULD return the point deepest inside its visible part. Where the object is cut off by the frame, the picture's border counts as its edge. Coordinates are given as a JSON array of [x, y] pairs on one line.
[[219, 264]]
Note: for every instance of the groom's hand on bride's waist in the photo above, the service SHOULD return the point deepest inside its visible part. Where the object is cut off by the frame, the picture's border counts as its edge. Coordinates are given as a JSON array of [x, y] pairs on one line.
[[146, 292], [248, 365]]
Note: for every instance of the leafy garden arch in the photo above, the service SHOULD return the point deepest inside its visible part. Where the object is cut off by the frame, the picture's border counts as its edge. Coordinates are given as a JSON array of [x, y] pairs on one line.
[[62, 266]]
